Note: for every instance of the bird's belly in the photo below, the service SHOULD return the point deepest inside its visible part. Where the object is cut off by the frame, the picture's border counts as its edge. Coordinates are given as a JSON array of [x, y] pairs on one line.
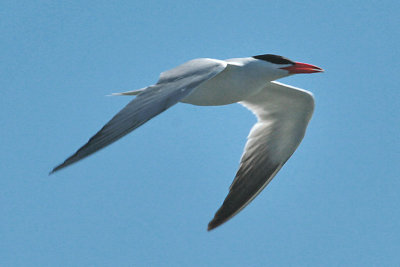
[[226, 88]]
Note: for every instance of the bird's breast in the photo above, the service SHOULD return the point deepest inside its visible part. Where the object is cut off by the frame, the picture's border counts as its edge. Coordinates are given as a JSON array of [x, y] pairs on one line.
[[232, 85]]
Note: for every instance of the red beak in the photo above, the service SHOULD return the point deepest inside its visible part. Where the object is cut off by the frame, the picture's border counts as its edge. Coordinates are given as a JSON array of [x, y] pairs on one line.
[[299, 67]]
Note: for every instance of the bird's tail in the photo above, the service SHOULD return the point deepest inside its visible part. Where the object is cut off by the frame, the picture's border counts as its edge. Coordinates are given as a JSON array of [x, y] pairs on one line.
[[133, 92]]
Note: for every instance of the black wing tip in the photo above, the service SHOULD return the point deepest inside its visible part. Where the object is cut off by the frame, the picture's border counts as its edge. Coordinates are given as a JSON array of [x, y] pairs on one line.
[[66, 163], [57, 168], [213, 224], [216, 221]]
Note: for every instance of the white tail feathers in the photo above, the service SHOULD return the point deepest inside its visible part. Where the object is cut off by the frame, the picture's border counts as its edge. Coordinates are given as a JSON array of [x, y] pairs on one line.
[[133, 92]]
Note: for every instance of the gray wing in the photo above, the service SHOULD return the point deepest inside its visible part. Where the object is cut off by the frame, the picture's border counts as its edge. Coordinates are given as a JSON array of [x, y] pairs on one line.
[[283, 114], [172, 86]]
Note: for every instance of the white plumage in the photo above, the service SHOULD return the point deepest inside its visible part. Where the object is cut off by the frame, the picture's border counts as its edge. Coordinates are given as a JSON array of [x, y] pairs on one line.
[[283, 114]]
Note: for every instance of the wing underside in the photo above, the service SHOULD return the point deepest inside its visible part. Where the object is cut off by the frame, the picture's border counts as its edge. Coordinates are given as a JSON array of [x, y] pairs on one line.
[[283, 114]]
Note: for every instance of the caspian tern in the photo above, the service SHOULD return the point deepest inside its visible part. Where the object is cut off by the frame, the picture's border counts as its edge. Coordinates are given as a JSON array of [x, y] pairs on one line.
[[283, 113]]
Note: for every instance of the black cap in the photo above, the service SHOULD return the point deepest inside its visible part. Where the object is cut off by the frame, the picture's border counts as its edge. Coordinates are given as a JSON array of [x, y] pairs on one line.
[[275, 59]]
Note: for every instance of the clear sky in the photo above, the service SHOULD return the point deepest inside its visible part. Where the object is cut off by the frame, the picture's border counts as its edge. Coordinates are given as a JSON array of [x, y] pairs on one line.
[[146, 200]]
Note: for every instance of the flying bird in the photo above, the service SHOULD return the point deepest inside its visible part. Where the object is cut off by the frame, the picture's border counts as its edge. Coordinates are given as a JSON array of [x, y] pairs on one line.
[[283, 113]]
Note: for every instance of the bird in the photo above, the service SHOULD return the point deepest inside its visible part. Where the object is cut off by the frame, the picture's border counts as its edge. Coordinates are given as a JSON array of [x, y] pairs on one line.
[[283, 113]]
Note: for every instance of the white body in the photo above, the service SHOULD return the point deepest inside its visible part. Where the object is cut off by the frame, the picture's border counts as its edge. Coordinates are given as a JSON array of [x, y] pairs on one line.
[[241, 78]]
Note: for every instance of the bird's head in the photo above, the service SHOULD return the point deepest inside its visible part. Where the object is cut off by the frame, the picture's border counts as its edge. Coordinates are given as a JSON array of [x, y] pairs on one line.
[[283, 67]]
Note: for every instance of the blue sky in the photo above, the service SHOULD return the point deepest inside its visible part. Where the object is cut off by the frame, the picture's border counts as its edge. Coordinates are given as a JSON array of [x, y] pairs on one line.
[[146, 200]]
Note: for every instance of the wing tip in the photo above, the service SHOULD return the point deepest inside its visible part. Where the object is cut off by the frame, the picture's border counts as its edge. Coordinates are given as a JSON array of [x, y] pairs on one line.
[[213, 224], [217, 221], [57, 168], [71, 160]]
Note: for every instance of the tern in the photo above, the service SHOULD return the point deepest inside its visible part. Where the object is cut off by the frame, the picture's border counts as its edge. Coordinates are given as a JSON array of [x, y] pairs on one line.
[[283, 113]]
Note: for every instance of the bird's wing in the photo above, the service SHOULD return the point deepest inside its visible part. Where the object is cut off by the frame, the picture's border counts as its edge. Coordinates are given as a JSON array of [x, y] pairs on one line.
[[172, 86], [283, 113]]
